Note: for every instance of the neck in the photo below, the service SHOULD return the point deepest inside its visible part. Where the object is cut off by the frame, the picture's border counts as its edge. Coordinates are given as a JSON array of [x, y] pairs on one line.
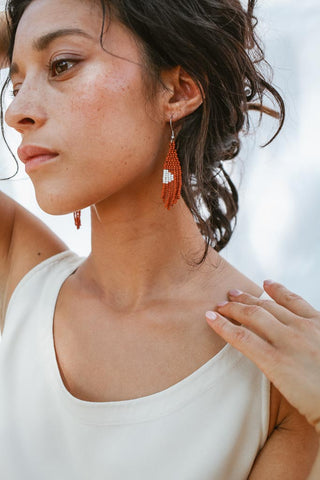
[[143, 255]]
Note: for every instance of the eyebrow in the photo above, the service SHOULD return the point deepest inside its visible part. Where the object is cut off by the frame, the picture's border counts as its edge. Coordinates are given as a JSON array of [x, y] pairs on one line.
[[43, 42]]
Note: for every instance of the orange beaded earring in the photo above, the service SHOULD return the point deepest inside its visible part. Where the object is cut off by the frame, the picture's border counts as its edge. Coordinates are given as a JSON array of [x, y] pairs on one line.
[[77, 218], [172, 176]]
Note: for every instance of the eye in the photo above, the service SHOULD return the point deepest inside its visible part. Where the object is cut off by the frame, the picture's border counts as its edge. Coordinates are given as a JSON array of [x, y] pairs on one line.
[[14, 92], [59, 67]]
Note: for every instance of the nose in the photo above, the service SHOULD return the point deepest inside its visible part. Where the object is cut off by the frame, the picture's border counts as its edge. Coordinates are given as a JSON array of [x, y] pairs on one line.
[[27, 110]]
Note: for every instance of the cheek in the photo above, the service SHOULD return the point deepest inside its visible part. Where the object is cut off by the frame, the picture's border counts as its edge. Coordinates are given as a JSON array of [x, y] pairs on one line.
[[110, 116], [114, 102], [110, 138]]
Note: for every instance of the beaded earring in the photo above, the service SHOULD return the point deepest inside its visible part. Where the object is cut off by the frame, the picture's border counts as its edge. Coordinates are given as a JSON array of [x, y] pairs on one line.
[[172, 176], [77, 218]]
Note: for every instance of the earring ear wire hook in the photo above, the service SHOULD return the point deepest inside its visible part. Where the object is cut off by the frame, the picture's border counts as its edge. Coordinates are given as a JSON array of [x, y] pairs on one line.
[[172, 131]]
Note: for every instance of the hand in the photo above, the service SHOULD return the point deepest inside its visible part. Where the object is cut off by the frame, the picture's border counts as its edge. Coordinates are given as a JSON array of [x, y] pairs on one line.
[[282, 337]]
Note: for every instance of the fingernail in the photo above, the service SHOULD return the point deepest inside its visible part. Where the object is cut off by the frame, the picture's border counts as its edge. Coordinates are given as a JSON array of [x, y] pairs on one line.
[[211, 315], [268, 282], [235, 293], [222, 304]]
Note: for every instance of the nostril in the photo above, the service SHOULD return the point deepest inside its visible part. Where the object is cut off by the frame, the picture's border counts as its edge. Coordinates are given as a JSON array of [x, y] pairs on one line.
[[27, 121]]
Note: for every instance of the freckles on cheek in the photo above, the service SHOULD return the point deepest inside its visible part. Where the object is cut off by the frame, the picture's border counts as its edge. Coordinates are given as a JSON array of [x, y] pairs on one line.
[[120, 90], [90, 108], [108, 108]]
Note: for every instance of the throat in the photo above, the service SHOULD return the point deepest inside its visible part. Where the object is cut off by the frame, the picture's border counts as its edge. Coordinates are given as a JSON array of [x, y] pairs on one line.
[[127, 292]]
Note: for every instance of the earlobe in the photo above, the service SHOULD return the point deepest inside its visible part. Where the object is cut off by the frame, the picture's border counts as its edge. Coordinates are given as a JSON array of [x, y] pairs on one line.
[[184, 96]]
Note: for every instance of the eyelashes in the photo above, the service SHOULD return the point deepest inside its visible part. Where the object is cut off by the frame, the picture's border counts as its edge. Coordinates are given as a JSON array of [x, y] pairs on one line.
[[14, 92], [56, 68], [60, 66]]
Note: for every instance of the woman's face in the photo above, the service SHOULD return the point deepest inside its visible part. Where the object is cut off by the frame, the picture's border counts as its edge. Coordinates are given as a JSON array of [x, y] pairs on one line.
[[85, 105]]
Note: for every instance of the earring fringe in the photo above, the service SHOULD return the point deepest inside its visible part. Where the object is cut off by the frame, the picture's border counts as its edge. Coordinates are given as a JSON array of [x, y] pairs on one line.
[[77, 218], [172, 177]]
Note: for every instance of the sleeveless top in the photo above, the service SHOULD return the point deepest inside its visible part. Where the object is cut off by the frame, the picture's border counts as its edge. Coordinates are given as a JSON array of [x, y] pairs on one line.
[[208, 426]]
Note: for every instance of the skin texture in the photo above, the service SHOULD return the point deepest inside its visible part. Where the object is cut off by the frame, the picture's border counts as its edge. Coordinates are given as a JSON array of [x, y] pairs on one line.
[[136, 285]]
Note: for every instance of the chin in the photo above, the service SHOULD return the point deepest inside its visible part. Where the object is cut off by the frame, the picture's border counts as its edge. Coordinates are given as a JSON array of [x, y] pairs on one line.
[[51, 210], [54, 205], [57, 201]]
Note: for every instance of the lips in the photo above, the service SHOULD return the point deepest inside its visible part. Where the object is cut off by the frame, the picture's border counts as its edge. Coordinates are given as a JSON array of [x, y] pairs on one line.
[[31, 152]]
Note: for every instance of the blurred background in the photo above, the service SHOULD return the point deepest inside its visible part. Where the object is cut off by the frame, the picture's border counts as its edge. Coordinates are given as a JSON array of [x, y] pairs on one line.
[[278, 230]]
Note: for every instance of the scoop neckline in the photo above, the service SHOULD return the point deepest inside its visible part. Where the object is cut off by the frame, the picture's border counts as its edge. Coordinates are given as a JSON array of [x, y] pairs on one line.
[[134, 410]]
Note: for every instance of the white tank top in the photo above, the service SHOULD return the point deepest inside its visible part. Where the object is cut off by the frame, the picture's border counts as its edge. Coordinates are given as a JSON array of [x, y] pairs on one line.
[[208, 426]]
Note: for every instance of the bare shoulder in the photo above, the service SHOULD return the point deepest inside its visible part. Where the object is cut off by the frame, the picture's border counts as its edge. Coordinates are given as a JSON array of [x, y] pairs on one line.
[[227, 276], [29, 242]]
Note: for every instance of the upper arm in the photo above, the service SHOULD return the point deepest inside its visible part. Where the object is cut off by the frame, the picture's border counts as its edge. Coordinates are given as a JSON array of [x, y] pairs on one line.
[[290, 450], [25, 241], [7, 214]]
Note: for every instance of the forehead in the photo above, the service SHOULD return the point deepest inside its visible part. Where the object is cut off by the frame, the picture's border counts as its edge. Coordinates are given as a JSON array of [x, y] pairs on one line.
[[43, 15], [43, 18]]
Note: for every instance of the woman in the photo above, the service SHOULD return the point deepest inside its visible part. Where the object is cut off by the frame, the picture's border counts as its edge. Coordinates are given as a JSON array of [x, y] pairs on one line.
[[108, 368]]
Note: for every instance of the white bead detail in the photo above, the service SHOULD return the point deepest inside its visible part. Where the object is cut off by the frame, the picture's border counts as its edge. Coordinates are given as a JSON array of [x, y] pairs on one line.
[[167, 177]]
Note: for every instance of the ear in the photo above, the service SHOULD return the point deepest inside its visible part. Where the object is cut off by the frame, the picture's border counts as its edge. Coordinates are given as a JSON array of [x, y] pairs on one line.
[[183, 95]]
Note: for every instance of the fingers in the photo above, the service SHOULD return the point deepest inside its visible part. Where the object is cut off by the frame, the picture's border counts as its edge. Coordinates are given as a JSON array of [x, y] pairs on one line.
[[247, 342], [255, 318], [289, 300], [281, 313]]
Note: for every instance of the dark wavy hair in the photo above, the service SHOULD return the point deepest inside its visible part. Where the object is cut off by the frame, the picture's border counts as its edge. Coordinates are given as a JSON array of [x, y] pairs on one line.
[[215, 42]]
